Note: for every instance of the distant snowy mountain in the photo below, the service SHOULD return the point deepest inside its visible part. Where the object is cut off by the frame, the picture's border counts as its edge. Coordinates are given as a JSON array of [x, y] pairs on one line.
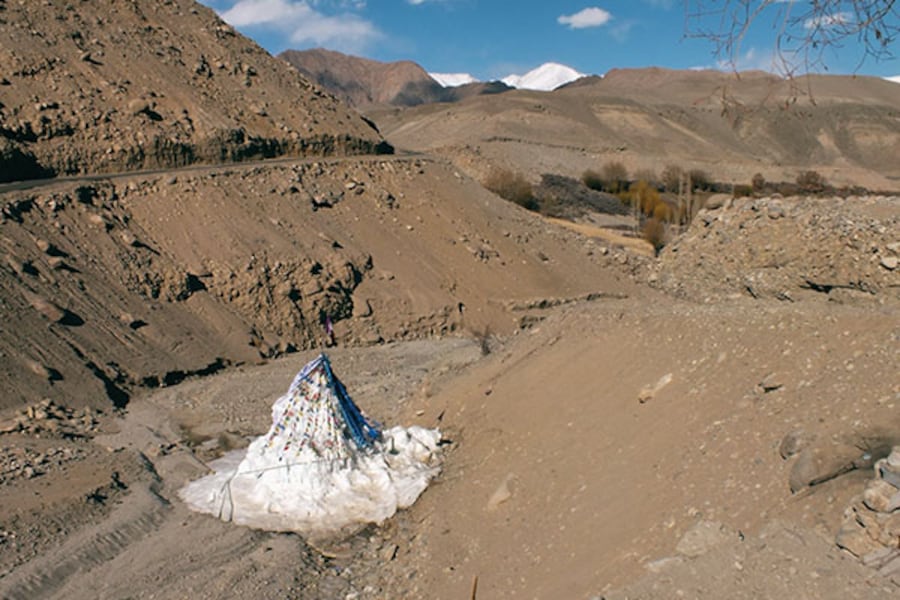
[[895, 78], [452, 79], [546, 77]]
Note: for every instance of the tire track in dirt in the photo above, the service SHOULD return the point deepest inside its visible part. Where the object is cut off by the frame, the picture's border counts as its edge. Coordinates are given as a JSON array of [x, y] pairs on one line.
[[141, 514]]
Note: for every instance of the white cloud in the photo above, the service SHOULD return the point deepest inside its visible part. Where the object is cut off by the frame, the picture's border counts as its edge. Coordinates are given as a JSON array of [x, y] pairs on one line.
[[832, 20], [304, 23], [588, 17]]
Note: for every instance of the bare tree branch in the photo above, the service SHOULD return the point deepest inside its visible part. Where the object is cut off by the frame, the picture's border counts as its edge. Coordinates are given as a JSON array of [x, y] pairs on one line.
[[803, 30]]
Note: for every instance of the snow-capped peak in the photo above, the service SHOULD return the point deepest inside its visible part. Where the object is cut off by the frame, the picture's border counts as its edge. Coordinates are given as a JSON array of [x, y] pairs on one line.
[[452, 79], [895, 78], [545, 78]]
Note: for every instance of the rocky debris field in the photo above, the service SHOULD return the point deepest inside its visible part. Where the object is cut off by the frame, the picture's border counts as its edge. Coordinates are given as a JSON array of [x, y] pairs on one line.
[[842, 249], [48, 419], [73, 102], [871, 527]]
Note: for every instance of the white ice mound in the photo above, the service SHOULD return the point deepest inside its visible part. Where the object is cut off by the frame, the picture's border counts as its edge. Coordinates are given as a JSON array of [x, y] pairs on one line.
[[322, 466]]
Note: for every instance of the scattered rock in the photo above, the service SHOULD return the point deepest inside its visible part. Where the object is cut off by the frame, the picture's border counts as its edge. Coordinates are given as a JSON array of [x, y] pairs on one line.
[[792, 443], [871, 526], [48, 418], [881, 496], [821, 463], [703, 537], [648, 393], [129, 238], [501, 494], [47, 308], [769, 383]]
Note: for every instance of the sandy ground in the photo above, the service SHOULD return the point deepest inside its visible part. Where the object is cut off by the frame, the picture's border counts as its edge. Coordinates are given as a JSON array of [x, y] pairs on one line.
[[582, 450]]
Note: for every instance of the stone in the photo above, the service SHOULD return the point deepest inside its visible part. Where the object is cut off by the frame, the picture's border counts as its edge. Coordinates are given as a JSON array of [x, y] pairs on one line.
[[138, 106], [891, 568], [47, 308], [770, 383], [10, 425], [128, 237], [501, 494], [819, 464], [893, 459], [97, 220], [39, 370], [703, 537], [881, 496], [853, 538], [889, 528], [717, 201], [880, 556], [662, 564], [775, 211], [649, 392], [792, 443], [888, 473], [890, 262]]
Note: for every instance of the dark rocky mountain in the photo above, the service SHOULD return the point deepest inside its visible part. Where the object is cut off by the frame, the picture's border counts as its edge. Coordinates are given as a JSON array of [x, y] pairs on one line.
[[363, 83]]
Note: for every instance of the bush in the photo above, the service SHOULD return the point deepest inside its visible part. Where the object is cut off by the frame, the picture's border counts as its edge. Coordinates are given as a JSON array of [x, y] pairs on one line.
[[612, 178], [671, 178], [615, 176], [513, 187], [655, 233], [663, 212], [644, 197], [699, 179], [593, 180], [811, 182], [743, 191], [758, 182]]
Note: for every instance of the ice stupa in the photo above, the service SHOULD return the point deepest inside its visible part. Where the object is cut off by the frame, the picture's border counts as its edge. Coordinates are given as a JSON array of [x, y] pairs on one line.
[[322, 467]]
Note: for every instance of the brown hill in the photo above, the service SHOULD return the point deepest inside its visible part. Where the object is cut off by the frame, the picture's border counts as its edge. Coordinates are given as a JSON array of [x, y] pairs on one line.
[[123, 283], [118, 86], [365, 83], [731, 126]]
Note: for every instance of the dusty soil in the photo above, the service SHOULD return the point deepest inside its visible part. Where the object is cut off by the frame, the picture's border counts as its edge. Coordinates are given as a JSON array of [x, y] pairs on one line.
[[583, 449]]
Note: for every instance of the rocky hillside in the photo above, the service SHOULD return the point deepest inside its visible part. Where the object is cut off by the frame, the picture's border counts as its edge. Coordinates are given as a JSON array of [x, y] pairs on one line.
[[111, 86], [729, 126], [125, 283], [843, 249], [362, 82]]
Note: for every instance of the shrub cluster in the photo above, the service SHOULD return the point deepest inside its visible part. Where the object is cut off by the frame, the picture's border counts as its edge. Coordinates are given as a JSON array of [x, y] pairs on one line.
[[513, 187], [612, 178]]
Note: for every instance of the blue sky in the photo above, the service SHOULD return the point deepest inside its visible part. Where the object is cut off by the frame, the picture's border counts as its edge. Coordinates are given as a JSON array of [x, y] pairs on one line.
[[492, 38]]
